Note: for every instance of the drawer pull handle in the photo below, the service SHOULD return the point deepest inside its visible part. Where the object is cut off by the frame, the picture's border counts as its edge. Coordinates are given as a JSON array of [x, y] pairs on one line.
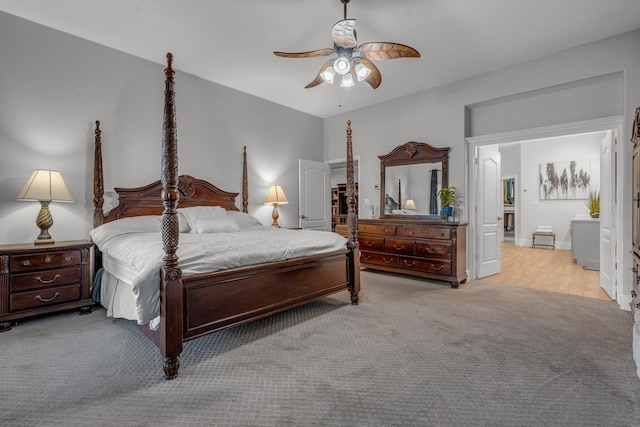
[[386, 230], [387, 261], [365, 256], [432, 251], [67, 258], [56, 277], [409, 264], [437, 267], [411, 233], [39, 298], [47, 259], [368, 243], [26, 263], [398, 248]]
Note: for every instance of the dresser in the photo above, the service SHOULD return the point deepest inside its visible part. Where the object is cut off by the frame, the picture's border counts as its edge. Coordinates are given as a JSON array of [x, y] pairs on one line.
[[42, 279], [431, 249]]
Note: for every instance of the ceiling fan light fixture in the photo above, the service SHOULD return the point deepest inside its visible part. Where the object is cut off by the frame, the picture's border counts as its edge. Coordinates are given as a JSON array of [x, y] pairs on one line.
[[342, 65], [347, 81], [362, 71], [328, 75]]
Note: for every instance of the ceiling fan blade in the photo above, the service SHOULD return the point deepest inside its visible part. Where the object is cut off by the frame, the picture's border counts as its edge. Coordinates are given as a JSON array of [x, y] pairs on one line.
[[387, 50], [343, 33], [310, 54], [319, 79], [374, 78]]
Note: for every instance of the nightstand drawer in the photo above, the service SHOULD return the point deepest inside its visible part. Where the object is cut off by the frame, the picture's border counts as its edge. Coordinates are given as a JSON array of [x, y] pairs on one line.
[[45, 279], [44, 297], [44, 260]]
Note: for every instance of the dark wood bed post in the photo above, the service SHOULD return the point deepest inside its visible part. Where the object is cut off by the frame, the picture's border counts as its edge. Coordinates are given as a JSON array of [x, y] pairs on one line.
[[352, 224], [245, 182], [98, 178], [171, 327]]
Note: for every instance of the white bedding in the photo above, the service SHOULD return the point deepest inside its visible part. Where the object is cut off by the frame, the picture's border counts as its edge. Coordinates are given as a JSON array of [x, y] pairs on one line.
[[133, 255]]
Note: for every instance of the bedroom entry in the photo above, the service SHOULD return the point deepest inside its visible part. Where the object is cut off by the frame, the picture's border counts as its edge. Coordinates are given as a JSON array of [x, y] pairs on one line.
[[318, 182]]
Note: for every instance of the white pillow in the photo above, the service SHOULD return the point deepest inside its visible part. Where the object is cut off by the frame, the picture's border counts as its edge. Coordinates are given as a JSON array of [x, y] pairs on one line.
[[215, 225], [201, 212], [134, 224], [244, 219]]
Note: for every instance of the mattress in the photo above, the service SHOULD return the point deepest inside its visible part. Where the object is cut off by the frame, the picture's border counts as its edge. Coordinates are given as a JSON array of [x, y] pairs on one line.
[[132, 257]]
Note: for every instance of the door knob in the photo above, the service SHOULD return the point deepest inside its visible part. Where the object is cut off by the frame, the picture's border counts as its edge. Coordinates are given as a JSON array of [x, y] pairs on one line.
[[499, 218]]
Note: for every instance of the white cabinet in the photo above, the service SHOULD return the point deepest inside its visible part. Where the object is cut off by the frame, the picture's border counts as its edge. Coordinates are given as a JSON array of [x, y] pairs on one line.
[[585, 242]]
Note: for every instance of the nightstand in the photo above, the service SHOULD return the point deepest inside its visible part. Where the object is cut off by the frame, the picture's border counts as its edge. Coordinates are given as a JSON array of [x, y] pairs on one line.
[[42, 279]]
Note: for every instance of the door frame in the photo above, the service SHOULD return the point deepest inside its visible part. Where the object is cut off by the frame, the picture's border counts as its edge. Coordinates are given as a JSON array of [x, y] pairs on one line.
[[623, 222]]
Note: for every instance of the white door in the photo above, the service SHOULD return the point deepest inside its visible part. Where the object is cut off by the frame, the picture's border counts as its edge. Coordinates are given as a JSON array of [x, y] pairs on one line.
[[315, 195], [607, 214], [489, 209]]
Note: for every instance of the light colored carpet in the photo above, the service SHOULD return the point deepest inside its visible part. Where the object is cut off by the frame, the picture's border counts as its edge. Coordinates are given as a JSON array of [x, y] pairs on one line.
[[412, 353]]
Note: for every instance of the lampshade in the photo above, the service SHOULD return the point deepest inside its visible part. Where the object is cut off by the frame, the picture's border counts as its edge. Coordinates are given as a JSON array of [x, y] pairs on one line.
[[410, 204], [276, 195], [45, 185]]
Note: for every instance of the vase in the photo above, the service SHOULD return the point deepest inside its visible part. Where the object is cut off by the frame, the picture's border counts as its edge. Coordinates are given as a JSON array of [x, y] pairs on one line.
[[594, 214]]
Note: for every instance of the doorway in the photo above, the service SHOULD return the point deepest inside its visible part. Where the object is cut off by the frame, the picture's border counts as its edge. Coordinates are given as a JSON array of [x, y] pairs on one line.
[[528, 192], [338, 173]]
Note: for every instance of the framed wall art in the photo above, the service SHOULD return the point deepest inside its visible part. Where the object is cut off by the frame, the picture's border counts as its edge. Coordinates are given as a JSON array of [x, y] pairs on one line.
[[566, 180]]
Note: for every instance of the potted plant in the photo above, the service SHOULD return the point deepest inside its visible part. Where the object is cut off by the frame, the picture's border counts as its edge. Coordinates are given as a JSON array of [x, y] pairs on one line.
[[594, 204], [447, 197]]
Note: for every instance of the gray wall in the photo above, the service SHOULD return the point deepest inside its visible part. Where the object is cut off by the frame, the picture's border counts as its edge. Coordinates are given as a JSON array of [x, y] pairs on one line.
[[54, 86]]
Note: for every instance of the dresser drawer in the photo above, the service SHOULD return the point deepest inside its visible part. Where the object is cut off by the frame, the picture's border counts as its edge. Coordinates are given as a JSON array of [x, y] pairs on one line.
[[433, 249], [44, 297], [387, 230], [430, 266], [378, 258], [45, 279], [45, 260], [371, 243], [426, 232], [397, 246]]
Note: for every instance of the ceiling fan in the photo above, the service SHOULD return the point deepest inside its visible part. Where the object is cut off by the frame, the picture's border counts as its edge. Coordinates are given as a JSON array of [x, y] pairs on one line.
[[353, 61]]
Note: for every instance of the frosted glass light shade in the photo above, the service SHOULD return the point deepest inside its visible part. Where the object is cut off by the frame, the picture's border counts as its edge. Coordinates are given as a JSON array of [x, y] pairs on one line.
[[362, 72], [347, 81], [342, 65]]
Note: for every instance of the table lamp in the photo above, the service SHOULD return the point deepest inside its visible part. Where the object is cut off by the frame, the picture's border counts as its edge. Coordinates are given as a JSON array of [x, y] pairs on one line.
[[410, 204], [45, 186], [275, 197]]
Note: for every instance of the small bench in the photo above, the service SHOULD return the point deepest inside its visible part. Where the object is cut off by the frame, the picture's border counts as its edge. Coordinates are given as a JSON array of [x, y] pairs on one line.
[[544, 234]]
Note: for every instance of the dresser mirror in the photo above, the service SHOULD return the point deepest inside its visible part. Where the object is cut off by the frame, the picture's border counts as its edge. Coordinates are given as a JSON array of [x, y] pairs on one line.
[[410, 177]]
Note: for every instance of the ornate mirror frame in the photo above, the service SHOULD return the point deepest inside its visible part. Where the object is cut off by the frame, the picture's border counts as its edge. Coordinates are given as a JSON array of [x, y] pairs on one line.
[[412, 153]]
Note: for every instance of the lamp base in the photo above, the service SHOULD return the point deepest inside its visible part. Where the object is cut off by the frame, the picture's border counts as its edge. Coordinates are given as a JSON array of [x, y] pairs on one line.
[[275, 216], [44, 222]]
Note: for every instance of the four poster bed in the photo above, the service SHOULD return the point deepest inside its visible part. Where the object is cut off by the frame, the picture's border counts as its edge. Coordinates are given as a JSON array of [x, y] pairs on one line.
[[188, 296]]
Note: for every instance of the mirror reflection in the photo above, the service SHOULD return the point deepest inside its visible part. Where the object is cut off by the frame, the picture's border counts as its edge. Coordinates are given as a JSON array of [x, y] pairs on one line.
[[413, 189]]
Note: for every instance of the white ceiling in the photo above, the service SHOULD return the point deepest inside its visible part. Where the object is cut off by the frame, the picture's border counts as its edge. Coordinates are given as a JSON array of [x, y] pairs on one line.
[[232, 42]]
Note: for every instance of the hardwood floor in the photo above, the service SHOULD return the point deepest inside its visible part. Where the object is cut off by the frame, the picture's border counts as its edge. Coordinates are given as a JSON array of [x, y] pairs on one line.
[[548, 269]]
